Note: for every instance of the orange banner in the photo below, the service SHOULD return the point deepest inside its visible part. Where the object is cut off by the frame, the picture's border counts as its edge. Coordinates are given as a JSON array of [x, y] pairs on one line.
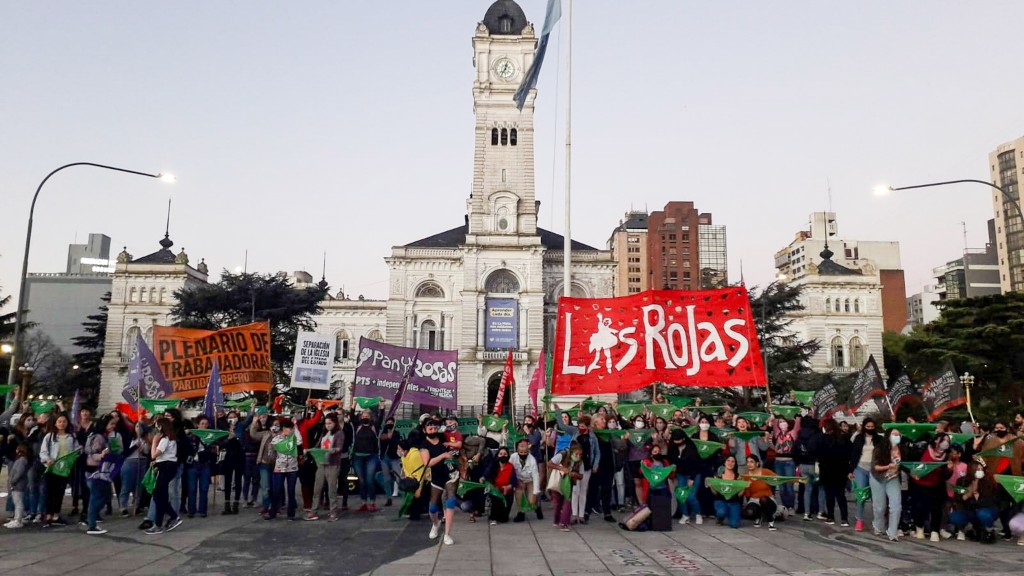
[[242, 353]]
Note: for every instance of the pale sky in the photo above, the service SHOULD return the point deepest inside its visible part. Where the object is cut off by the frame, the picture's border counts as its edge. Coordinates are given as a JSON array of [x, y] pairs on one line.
[[346, 127]]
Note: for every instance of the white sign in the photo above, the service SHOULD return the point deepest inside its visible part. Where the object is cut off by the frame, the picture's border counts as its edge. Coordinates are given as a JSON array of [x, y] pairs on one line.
[[314, 357]]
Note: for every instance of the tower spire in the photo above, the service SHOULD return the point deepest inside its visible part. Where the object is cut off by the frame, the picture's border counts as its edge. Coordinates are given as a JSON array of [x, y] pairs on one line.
[[166, 243], [323, 274]]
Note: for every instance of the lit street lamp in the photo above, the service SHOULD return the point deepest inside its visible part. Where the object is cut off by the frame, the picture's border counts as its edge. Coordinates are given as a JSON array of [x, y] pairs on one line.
[[20, 310], [967, 379], [26, 379], [885, 189]]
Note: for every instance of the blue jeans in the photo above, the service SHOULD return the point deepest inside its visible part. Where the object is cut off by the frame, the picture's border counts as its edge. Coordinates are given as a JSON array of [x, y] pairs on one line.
[[174, 495], [882, 492], [728, 510], [37, 496], [983, 518], [392, 468], [786, 468], [198, 488], [366, 469], [811, 492], [131, 477], [99, 493], [861, 478], [251, 479], [284, 487], [690, 508], [264, 485]]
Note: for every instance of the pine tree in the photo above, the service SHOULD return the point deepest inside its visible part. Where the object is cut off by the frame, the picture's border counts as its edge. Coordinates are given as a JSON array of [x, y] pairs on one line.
[[788, 359]]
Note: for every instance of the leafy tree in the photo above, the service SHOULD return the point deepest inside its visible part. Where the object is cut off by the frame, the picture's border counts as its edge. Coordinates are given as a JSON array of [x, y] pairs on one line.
[[983, 336], [242, 298], [52, 374], [87, 377], [7, 333], [894, 349]]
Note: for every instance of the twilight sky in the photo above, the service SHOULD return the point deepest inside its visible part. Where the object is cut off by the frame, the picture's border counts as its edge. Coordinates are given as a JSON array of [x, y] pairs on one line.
[[346, 127]]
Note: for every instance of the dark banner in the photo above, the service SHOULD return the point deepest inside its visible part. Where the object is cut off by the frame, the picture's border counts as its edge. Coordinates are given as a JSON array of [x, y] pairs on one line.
[[901, 391], [943, 392], [432, 381], [826, 402], [866, 385]]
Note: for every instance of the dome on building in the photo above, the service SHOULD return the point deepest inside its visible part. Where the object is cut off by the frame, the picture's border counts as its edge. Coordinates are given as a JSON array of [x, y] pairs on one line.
[[505, 17]]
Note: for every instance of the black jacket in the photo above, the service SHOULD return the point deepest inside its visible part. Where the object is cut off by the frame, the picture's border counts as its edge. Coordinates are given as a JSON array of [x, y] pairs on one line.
[[807, 448]]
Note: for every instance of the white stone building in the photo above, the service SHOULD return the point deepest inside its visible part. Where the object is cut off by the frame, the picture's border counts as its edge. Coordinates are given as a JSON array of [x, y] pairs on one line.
[[442, 286], [842, 311]]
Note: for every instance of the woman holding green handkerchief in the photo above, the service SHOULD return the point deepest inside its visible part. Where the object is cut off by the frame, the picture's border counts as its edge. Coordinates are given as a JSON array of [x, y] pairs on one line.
[[747, 442], [727, 507]]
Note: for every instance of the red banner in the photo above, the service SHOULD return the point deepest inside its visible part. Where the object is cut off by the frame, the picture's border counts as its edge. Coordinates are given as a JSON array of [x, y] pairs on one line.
[[699, 338], [507, 378]]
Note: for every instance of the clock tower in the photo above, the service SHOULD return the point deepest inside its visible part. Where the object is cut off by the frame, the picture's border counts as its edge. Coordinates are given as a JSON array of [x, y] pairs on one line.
[[502, 206]]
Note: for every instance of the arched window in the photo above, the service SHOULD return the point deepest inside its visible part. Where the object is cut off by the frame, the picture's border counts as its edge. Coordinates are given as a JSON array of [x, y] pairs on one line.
[[846, 305], [856, 352], [142, 295], [856, 305], [133, 295], [513, 137], [838, 303], [163, 295], [152, 295], [342, 344], [494, 136], [837, 352], [504, 136], [149, 336], [505, 24], [828, 304], [129, 340], [375, 335], [429, 290], [502, 282], [428, 335]]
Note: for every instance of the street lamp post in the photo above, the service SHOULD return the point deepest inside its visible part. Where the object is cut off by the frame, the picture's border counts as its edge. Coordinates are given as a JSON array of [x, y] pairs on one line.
[[967, 379], [26, 379], [20, 311]]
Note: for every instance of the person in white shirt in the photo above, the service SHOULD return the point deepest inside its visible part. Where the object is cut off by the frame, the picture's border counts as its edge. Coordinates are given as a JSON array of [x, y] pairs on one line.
[[525, 466]]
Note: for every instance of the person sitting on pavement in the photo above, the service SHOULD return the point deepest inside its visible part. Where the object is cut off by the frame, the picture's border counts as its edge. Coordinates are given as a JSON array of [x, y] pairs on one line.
[[527, 479], [761, 493], [726, 509], [503, 477]]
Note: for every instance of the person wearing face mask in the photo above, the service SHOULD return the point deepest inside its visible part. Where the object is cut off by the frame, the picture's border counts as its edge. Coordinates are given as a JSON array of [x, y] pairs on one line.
[[709, 466], [535, 438], [860, 463], [1009, 464], [198, 474], [885, 484], [833, 466], [526, 478], [638, 450], [232, 460], [599, 491], [444, 480], [332, 441], [503, 477], [263, 432], [682, 453], [285, 473], [390, 463], [662, 435], [567, 463], [783, 440], [977, 504], [927, 494], [743, 448], [365, 461]]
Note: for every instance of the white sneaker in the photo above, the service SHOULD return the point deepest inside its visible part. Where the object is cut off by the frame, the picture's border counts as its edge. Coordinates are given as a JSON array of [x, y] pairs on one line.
[[684, 520], [448, 540], [434, 530], [934, 537], [960, 536], [945, 534], [699, 520], [13, 525], [919, 533]]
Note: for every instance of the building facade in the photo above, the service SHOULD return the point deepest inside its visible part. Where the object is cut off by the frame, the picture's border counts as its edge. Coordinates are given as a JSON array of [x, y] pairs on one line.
[[842, 311], [921, 308], [795, 261], [628, 245], [1004, 162]]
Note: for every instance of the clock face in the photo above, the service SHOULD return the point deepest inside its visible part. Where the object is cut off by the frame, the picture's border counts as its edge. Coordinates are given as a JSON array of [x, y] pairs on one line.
[[504, 68]]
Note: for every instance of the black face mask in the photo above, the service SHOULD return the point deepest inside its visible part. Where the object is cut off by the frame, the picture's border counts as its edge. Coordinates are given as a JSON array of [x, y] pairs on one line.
[[1001, 433], [365, 421], [870, 431], [502, 459], [431, 435]]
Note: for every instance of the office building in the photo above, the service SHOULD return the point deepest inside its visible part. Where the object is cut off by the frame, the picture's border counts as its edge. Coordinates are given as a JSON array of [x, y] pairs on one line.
[[1009, 229]]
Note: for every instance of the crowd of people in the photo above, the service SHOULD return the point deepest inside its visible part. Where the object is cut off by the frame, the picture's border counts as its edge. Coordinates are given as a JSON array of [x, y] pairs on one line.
[[579, 464]]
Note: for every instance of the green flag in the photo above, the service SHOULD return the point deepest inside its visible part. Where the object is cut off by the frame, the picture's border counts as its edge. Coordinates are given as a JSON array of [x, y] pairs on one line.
[[591, 406], [608, 434], [288, 446], [1014, 485], [803, 397], [706, 448], [62, 466], [680, 401], [629, 410], [7, 389], [524, 504], [728, 488], [721, 432], [691, 431], [789, 412], [960, 489], [149, 479], [208, 436], [158, 406], [40, 406], [778, 480], [466, 486], [912, 431], [114, 445], [683, 492], [657, 476], [921, 469], [240, 403], [565, 486], [1004, 450], [365, 403], [404, 426], [494, 423], [319, 455], [639, 437], [261, 410], [662, 410], [757, 418], [747, 436], [514, 438], [862, 494], [962, 439]]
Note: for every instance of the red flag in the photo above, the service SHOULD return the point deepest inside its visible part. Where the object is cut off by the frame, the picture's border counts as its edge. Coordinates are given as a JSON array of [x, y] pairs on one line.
[[685, 338], [128, 411], [537, 383], [507, 380]]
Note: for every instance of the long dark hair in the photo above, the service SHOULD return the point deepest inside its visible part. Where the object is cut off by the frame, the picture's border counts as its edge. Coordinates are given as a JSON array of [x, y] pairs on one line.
[[881, 453], [166, 428]]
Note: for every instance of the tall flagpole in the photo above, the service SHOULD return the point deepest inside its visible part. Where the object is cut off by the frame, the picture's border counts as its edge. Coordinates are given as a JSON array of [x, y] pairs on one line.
[[567, 248]]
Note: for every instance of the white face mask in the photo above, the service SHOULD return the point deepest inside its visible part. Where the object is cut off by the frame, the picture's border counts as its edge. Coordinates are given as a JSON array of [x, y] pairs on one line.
[[979, 474], [704, 426], [638, 424], [895, 440]]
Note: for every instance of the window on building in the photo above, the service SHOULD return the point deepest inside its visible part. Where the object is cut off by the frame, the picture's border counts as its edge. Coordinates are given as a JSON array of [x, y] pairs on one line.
[[837, 352], [634, 279], [837, 304], [672, 237], [504, 136], [129, 340], [505, 24], [504, 175], [673, 275], [428, 335], [686, 237], [856, 305], [375, 335], [513, 137], [341, 348], [502, 282], [686, 275], [163, 295], [430, 290], [142, 294], [846, 305], [828, 304], [494, 136], [856, 352]]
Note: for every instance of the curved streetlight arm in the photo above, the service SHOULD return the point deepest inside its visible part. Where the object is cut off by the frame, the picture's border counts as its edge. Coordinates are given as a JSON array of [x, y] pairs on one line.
[[19, 312], [1015, 202]]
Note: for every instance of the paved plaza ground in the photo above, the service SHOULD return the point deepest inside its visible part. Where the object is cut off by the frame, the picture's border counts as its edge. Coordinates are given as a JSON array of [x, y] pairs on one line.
[[382, 545]]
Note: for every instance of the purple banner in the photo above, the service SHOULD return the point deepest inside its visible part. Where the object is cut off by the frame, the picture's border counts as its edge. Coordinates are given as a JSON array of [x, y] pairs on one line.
[[433, 380], [145, 380]]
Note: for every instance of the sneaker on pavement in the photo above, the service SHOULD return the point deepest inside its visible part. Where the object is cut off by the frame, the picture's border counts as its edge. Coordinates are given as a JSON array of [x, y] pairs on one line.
[[12, 524], [434, 530], [960, 536], [96, 531], [807, 517], [919, 533], [174, 524], [946, 535], [699, 520], [312, 516], [124, 513], [154, 530], [362, 508], [448, 540], [771, 526], [609, 518], [685, 520], [934, 537], [859, 526], [821, 516], [844, 524], [146, 524], [372, 508], [332, 517]]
